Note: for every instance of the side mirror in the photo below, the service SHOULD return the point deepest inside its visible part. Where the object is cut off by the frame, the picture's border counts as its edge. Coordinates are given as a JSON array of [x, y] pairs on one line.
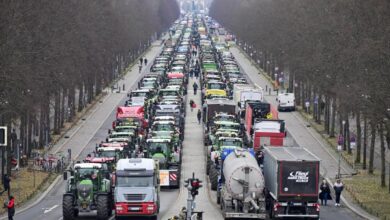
[[238, 104], [65, 175]]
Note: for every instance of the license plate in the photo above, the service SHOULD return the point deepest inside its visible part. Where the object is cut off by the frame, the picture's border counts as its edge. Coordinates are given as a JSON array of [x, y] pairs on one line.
[[133, 209]]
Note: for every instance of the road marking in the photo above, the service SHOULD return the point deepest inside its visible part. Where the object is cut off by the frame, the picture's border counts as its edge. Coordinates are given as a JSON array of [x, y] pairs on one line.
[[50, 209]]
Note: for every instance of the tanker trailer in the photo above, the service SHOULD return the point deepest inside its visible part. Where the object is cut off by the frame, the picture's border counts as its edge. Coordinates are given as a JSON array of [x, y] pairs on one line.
[[242, 184]]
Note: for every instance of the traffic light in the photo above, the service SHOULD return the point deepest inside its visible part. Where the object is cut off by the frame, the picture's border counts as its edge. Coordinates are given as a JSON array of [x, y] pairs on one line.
[[3, 136], [195, 184]]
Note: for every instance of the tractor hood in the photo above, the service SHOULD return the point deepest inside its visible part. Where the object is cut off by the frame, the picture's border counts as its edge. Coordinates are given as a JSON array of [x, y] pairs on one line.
[[134, 194]]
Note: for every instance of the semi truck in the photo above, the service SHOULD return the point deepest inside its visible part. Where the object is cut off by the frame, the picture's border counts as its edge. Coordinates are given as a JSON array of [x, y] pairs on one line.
[[137, 188], [241, 192], [291, 182]]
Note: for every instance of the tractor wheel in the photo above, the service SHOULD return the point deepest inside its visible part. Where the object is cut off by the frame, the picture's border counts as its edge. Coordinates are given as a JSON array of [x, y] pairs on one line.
[[213, 178], [208, 166], [68, 211], [102, 207]]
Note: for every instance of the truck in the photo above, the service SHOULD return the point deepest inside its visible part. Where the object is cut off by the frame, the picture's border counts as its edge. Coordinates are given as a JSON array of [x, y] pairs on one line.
[[286, 101], [291, 182], [214, 106], [137, 190], [244, 92], [268, 132], [241, 192]]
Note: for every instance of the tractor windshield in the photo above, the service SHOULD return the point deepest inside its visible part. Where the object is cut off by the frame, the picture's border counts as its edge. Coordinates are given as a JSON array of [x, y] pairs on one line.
[[134, 181], [163, 127], [230, 143], [115, 154], [86, 172], [158, 147]]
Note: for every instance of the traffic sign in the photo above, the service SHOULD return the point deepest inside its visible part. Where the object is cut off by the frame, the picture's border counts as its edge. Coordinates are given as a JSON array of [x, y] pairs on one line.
[[3, 136]]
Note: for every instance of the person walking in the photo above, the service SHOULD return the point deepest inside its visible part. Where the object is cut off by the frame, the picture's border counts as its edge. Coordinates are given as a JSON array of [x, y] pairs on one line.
[[338, 188], [199, 115], [192, 105], [197, 70], [325, 193], [11, 207], [140, 68], [146, 61], [141, 61], [195, 86], [6, 184]]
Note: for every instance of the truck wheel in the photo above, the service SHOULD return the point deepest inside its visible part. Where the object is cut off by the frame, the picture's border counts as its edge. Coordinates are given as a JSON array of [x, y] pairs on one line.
[[68, 211], [102, 207], [213, 178]]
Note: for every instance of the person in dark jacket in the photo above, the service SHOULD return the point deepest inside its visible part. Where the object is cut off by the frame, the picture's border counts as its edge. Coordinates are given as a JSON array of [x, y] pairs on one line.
[[6, 184], [11, 207], [325, 193], [195, 86], [199, 115], [338, 188]]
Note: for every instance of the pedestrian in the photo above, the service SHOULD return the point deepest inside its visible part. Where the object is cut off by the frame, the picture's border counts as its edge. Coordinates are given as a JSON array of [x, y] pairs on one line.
[[192, 104], [260, 157], [191, 73], [338, 188], [199, 115], [11, 207], [197, 70], [325, 193], [6, 184], [146, 61], [195, 86], [141, 60], [140, 68]]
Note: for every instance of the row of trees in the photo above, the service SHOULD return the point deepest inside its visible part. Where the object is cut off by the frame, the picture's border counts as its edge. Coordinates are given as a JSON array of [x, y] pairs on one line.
[[338, 55], [56, 56]]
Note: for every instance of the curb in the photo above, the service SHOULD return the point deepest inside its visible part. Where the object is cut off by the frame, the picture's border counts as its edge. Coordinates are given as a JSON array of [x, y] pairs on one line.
[[345, 201]]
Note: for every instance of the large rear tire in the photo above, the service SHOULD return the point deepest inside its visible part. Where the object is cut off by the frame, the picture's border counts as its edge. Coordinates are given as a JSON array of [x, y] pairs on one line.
[[68, 211], [213, 178], [208, 165], [102, 207]]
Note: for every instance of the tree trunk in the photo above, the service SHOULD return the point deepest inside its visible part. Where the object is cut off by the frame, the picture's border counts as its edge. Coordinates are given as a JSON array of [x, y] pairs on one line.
[[365, 137], [347, 135], [327, 115], [358, 138], [81, 98], [383, 155], [30, 134], [57, 99], [372, 148], [333, 121]]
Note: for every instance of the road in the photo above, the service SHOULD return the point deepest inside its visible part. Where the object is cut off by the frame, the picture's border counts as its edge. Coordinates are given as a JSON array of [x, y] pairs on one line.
[[82, 141], [94, 129], [304, 136]]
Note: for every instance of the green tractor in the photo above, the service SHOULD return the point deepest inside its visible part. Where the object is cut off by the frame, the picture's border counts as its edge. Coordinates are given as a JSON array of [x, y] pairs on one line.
[[87, 189]]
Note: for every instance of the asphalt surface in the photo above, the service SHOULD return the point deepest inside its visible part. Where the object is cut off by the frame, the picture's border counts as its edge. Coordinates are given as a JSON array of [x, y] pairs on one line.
[[94, 129], [82, 141]]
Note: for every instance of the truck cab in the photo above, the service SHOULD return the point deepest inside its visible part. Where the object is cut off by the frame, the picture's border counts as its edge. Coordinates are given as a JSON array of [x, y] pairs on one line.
[[137, 188]]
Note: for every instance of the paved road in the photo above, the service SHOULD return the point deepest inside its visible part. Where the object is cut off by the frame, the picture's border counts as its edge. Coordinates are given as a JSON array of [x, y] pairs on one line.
[[303, 136], [82, 141], [194, 161]]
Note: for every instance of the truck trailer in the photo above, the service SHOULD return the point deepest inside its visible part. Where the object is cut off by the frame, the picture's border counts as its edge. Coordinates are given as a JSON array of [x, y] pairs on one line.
[[291, 182]]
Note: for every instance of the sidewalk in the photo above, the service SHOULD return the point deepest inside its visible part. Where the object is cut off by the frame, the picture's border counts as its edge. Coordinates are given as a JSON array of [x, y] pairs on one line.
[[304, 136], [84, 130], [193, 160]]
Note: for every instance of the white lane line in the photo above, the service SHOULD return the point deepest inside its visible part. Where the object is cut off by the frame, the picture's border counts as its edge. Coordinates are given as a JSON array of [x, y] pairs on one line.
[[50, 209]]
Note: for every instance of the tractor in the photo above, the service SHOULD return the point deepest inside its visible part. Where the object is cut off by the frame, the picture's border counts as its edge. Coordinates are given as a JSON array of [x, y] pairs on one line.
[[88, 188]]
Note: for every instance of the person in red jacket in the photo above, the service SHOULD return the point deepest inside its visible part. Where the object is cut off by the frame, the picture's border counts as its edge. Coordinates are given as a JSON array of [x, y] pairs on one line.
[[11, 208]]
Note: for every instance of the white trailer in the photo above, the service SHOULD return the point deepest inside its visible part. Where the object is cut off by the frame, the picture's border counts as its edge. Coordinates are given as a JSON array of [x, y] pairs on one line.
[[244, 92]]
